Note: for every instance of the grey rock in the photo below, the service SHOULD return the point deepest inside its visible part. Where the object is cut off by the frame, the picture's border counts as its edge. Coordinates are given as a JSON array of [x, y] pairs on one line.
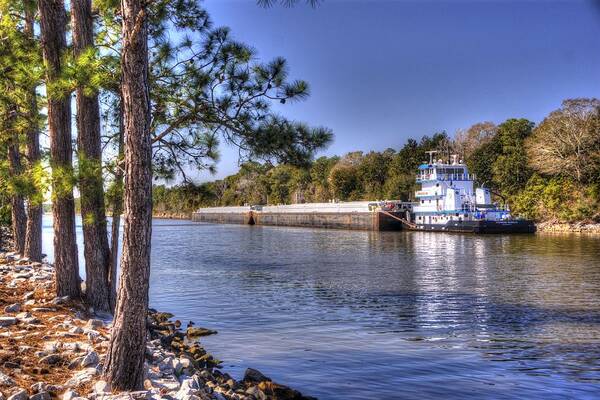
[[76, 330], [186, 363], [75, 347], [76, 362], [254, 375], [27, 318], [6, 380], [43, 309], [51, 359], [168, 383], [188, 388], [70, 395], [256, 392], [66, 335], [7, 321], [90, 359], [92, 334], [13, 308], [28, 295], [54, 389], [45, 387], [197, 332], [41, 396], [206, 375], [94, 324], [83, 376], [50, 347], [60, 300], [101, 387], [21, 394], [12, 365], [38, 387], [177, 366]]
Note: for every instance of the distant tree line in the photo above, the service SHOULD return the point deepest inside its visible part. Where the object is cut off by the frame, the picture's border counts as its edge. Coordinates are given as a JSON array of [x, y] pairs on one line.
[[546, 172]]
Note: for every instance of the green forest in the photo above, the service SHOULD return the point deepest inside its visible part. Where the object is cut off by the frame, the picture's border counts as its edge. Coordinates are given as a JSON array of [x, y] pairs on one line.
[[546, 172]]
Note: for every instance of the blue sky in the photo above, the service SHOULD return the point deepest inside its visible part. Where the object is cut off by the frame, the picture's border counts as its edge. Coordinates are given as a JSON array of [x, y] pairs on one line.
[[383, 71]]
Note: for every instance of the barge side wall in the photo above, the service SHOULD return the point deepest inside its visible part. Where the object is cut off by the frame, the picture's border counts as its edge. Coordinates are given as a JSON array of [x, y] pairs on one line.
[[369, 221]]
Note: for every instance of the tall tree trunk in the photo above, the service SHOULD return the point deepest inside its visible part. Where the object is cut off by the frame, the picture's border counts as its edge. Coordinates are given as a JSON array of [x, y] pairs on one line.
[[19, 219], [33, 235], [53, 22], [95, 235], [117, 209], [125, 360]]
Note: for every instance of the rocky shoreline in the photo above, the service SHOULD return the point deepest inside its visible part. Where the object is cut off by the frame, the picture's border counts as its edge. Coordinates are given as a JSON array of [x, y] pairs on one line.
[[575, 227], [54, 348], [171, 215]]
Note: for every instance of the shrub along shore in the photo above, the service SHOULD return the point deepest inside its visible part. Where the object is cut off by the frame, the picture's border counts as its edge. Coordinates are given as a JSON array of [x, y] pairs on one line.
[[55, 348]]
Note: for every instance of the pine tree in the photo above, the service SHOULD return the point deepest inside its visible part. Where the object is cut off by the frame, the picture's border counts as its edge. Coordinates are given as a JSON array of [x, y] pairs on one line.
[[53, 22], [33, 235], [20, 67], [125, 359], [95, 236], [19, 218]]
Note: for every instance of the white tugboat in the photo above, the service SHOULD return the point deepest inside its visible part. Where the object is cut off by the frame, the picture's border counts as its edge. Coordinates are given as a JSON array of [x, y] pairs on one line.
[[448, 201]]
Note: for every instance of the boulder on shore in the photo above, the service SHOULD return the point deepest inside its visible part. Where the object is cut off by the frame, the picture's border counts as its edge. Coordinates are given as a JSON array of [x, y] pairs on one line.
[[255, 376], [197, 332]]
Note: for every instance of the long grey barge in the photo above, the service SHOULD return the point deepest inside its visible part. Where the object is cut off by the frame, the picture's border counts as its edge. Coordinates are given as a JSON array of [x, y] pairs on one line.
[[359, 215]]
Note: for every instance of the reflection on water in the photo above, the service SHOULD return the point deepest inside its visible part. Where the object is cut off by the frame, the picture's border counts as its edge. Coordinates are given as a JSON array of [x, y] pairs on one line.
[[357, 315]]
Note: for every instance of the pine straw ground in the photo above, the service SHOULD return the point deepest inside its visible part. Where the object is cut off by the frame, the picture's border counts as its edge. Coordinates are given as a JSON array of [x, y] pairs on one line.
[[19, 343]]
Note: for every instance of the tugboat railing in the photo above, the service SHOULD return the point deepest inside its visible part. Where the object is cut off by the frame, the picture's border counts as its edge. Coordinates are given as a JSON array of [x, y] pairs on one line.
[[445, 177]]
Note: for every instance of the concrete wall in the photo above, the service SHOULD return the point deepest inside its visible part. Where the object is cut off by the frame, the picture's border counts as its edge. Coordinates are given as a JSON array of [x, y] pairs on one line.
[[371, 221], [242, 218]]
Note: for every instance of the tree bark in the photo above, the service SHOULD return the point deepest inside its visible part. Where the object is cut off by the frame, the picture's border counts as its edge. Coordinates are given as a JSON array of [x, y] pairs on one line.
[[125, 360], [117, 209], [19, 219], [53, 22], [95, 235], [33, 234]]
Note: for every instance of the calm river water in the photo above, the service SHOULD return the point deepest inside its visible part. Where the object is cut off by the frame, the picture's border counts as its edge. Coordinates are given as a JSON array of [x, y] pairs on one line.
[[402, 315]]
